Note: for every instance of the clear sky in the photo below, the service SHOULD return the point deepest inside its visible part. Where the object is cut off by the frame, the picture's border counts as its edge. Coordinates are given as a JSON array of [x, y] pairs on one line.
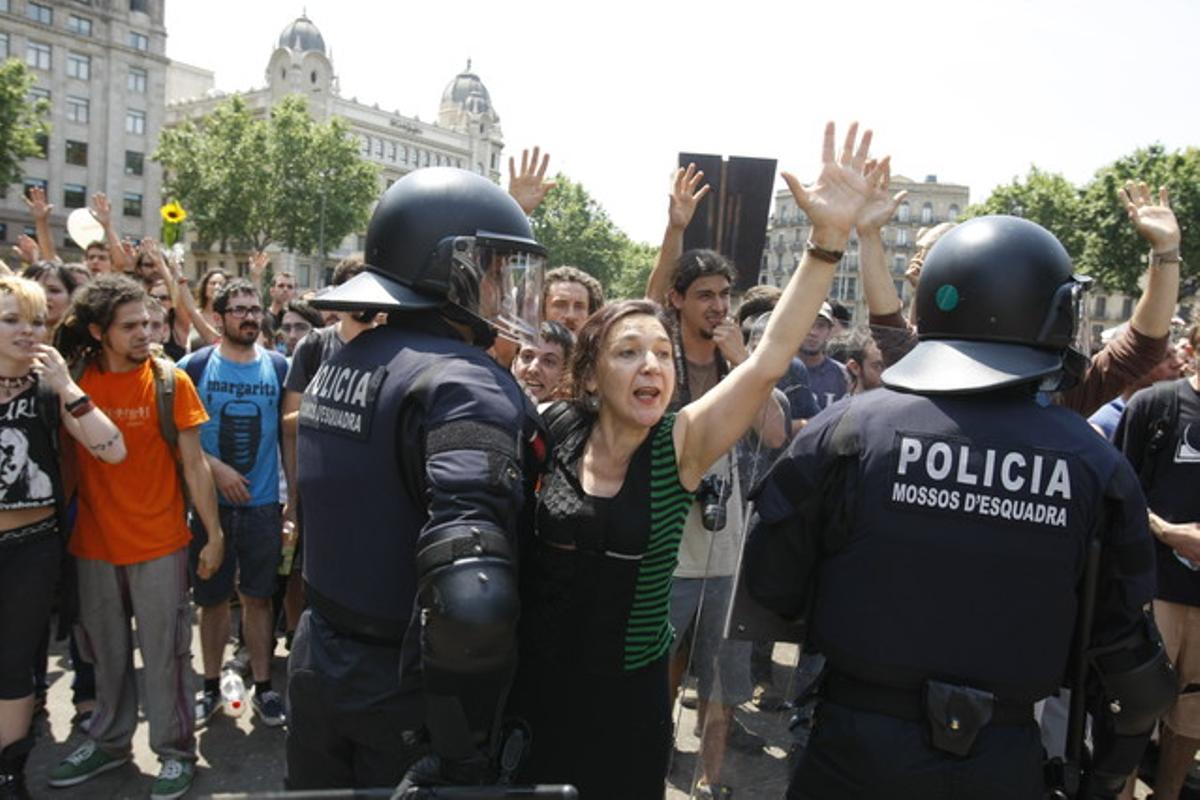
[[973, 92]]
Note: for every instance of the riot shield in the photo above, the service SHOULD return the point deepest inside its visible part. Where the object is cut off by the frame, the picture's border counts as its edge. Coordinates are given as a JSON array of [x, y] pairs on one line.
[[738, 725]]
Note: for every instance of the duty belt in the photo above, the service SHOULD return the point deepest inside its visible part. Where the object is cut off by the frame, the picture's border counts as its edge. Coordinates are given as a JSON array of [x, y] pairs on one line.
[[955, 714], [352, 624]]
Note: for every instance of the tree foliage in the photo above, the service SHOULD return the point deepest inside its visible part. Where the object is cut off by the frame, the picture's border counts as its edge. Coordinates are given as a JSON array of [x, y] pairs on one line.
[[1091, 222], [22, 123], [255, 181], [577, 231]]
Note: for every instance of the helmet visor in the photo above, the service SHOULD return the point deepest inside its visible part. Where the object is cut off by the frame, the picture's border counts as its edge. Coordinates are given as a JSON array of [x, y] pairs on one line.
[[510, 288]]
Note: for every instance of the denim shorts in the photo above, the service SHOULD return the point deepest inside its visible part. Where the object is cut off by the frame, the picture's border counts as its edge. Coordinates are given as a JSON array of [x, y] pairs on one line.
[[722, 666], [253, 542]]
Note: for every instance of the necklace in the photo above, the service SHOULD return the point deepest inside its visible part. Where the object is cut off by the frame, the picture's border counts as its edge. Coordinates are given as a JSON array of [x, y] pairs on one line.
[[15, 383]]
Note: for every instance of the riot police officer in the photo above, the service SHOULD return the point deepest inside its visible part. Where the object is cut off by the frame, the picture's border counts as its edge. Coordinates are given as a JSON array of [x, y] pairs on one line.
[[416, 465], [934, 534]]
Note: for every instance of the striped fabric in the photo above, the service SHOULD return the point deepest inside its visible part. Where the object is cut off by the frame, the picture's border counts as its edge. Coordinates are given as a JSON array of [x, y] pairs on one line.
[[648, 629]]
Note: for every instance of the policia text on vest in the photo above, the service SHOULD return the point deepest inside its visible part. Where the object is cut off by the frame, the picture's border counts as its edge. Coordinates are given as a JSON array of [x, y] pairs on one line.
[[965, 477]]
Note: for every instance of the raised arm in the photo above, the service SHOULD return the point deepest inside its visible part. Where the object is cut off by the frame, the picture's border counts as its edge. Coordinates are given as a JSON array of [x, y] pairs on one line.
[[102, 210], [529, 187], [40, 210], [880, 291], [686, 194], [709, 426], [1156, 223]]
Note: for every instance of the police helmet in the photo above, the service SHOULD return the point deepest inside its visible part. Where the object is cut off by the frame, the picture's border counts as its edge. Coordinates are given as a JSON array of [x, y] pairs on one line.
[[997, 305], [448, 239]]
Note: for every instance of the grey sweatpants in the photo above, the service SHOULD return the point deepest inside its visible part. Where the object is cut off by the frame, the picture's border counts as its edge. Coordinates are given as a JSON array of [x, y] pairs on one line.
[[155, 593]]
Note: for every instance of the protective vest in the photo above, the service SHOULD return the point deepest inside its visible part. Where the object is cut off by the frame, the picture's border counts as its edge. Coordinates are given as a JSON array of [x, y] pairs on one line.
[[966, 535], [367, 482]]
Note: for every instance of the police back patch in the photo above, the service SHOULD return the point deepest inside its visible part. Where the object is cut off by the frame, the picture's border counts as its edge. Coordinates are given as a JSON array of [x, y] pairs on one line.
[[341, 400], [965, 478]]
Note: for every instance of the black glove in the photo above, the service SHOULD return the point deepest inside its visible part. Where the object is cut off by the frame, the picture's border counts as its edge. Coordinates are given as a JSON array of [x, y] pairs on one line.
[[433, 771]]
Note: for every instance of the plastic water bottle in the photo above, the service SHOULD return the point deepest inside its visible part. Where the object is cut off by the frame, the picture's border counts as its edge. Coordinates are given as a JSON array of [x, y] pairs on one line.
[[288, 550], [233, 693]]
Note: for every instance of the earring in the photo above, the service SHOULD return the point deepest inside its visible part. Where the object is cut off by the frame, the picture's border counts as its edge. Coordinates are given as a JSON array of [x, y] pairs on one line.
[[591, 402]]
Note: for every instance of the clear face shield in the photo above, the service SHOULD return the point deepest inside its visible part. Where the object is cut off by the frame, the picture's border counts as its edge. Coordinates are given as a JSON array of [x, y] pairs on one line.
[[510, 286], [1069, 323]]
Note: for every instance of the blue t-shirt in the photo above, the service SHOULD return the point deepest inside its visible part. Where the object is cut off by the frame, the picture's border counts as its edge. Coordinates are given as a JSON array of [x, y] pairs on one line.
[[242, 401], [1108, 415], [827, 381]]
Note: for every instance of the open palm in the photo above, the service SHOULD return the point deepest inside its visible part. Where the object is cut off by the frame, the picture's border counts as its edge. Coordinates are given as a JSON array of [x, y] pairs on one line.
[[836, 197], [1156, 223]]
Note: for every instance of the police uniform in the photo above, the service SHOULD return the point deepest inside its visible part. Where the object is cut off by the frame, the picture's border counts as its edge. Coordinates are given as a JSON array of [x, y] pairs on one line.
[[935, 535], [416, 473]]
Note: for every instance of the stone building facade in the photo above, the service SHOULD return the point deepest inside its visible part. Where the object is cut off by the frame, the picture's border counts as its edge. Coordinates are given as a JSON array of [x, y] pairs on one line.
[[102, 65], [466, 133]]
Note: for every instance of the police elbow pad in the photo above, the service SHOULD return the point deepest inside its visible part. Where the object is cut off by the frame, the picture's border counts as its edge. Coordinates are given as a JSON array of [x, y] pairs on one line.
[[1139, 684], [468, 598]]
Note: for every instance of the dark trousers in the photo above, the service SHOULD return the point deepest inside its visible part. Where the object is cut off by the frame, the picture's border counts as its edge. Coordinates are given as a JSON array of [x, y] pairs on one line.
[[855, 755], [346, 722]]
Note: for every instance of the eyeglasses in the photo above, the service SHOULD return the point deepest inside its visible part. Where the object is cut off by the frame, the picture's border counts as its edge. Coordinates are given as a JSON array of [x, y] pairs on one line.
[[162, 298], [299, 327], [243, 311]]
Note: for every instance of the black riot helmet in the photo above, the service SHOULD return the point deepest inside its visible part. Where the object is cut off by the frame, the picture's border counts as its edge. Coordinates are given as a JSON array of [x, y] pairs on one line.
[[997, 305], [450, 240]]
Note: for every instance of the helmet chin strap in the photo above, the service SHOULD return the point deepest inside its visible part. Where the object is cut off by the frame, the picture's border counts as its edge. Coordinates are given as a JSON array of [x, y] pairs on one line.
[[483, 333], [1074, 364]]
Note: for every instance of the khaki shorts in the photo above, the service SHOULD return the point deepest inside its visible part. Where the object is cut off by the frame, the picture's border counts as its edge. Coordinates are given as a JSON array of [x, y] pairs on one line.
[[1180, 628]]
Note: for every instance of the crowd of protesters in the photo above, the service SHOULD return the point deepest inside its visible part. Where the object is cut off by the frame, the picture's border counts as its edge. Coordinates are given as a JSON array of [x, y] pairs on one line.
[[172, 484]]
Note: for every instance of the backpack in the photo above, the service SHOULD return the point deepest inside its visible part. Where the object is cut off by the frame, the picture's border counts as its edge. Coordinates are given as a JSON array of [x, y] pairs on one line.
[[164, 398]]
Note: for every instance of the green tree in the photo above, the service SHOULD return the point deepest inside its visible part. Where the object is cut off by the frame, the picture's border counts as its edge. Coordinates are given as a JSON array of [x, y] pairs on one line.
[[576, 230], [22, 123], [1046, 198], [1114, 253], [254, 181]]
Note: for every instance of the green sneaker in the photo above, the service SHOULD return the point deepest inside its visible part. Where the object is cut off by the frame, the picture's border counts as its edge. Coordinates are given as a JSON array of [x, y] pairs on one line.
[[174, 779], [84, 764]]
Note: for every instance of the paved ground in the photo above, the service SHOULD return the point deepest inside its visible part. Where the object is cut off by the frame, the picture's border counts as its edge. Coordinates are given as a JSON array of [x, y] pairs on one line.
[[242, 755]]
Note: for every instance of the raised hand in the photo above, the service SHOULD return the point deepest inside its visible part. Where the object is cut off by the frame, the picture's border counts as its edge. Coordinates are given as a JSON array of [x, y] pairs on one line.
[[101, 209], [39, 209], [728, 338], [1156, 223], [50, 367], [880, 205], [27, 249], [928, 237], [529, 187], [258, 265], [834, 199], [685, 196]]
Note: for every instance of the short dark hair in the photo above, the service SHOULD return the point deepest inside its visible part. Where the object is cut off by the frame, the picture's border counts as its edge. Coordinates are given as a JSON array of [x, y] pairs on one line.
[[758, 300], [310, 314], [567, 274], [850, 345], [283, 273], [557, 333], [233, 288], [840, 312], [68, 277], [696, 264], [347, 268]]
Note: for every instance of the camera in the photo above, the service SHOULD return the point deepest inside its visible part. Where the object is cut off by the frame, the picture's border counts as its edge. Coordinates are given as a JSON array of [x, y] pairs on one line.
[[713, 495]]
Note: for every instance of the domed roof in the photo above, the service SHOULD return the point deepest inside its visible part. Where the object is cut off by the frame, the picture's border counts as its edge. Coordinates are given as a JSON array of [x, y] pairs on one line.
[[467, 91], [301, 35]]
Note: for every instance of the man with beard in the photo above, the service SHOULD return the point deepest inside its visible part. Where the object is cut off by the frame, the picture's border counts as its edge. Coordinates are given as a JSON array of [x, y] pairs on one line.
[[240, 385], [826, 377], [855, 349]]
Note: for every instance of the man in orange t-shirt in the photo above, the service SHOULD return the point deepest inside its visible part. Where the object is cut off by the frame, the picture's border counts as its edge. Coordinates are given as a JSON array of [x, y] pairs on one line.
[[131, 542]]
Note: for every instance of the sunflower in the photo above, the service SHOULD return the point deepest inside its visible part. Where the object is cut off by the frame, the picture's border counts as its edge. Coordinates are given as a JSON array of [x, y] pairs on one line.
[[173, 213]]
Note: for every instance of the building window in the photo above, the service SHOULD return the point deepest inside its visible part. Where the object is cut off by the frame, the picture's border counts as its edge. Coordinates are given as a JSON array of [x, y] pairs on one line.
[[1127, 308], [902, 237], [139, 5], [926, 214], [312, 78], [3, 232], [404, 154], [37, 55], [898, 264], [134, 162], [43, 144], [379, 148], [3, 45], [77, 153], [31, 183], [3, 5], [366, 145], [77, 109], [39, 13], [74, 195], [392, 152], [904, 214], [79, 66], [139, 41], [79, 25], [1101, 307], [953, 212], [135, 122], [136, 81], [132, 207]]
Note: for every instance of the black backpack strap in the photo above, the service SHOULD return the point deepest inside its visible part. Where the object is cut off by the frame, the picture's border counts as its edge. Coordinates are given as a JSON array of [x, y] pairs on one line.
[[197, 363], [164, 400], [1164, 409]]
